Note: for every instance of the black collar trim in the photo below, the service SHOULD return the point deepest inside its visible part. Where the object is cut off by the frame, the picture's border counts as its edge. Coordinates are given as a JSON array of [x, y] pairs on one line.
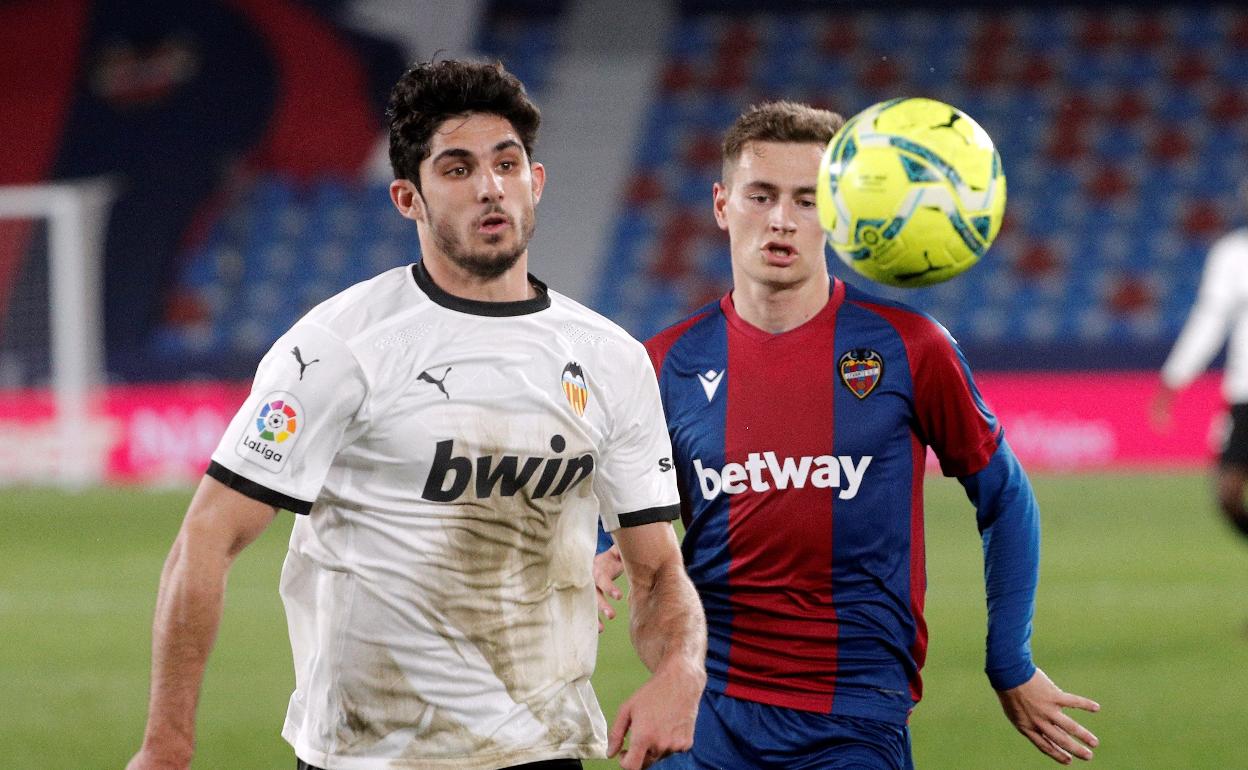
[[476, 306]]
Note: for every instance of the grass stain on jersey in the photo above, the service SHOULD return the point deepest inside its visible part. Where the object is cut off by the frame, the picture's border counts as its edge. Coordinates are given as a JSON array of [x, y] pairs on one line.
[[523, 587]]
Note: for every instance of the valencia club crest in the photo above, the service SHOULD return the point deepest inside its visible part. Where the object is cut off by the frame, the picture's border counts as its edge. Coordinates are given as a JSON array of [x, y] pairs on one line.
[[861, 370], [575, 388]]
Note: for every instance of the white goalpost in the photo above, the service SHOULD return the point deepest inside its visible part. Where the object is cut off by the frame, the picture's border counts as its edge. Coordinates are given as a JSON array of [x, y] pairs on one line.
[[75, 215]]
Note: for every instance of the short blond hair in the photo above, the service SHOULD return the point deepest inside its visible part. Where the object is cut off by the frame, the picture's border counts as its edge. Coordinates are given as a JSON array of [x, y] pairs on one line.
[[782, 121]]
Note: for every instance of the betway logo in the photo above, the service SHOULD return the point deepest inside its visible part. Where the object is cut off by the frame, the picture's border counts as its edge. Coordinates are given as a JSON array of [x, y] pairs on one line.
[[762, 471], [503, 475]]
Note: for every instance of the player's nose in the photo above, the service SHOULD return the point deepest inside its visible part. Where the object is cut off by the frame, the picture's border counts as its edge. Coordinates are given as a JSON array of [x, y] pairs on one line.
[[782, 217], [490, 187]]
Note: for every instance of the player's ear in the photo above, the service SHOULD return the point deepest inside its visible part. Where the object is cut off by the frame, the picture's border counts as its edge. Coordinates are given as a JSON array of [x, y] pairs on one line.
[[407, 199], [720, 202], [538, 172]]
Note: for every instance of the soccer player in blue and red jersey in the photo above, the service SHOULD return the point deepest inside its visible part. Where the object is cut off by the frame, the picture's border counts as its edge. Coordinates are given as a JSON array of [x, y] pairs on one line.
[[800, 411]]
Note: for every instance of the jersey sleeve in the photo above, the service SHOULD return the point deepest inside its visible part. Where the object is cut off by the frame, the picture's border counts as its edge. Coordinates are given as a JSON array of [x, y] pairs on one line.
[[952, 416], [1205, 330], [970, 443], [1009, 524], [279, 447], [636, 482]]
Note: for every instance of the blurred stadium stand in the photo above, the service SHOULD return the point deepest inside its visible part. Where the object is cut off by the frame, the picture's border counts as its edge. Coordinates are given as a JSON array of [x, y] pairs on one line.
[[1122, 128], [1122, 133]]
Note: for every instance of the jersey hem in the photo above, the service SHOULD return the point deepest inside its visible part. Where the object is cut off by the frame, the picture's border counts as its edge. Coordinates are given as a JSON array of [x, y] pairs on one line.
[[840, 703], [494, 761], [256, 491]]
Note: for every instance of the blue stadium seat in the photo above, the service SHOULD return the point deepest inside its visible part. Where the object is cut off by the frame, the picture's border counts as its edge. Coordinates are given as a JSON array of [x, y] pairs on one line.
[[1125, 73]]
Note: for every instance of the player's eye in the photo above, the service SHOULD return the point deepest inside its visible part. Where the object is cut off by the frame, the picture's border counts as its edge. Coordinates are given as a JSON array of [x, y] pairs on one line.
[[806, 203], [507, 165], [457, 171], [760, 198]]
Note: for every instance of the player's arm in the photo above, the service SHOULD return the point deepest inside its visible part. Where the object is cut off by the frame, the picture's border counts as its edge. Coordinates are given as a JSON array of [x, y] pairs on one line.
[[971, 445], [219, 523], [1009, 523], [1204, 331], [668, 630]]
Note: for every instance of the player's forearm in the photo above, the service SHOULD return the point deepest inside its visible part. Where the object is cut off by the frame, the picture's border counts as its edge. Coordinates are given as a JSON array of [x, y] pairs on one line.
[[1199, 341], [1009, 519], [188, 614], [667, 625]]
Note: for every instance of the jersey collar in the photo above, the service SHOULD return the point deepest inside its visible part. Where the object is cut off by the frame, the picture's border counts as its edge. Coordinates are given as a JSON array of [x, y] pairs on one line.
[[836, 295], [480, 307]]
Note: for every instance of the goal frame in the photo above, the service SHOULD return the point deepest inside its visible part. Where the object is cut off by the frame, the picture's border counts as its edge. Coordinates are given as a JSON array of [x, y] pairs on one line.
[[76, 214]]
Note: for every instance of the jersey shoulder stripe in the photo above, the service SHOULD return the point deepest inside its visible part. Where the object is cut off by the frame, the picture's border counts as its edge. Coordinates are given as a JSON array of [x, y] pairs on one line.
[[659, 345]]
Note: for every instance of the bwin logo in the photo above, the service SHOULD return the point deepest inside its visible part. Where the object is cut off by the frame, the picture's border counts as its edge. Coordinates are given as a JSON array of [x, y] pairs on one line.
[[761, 471], [504, 475]]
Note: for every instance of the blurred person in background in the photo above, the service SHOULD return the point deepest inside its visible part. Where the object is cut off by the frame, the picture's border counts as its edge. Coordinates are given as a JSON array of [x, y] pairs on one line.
[[800, 411], [450, 432], [1218, 316]]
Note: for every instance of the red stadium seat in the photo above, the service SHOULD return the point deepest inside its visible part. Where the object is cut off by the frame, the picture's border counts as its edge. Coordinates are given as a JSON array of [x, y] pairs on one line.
[[1129, 295], [1203, 220]]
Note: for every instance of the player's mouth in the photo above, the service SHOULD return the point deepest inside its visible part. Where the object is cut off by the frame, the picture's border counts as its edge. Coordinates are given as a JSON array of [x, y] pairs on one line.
[[779, 254], [493, 223]]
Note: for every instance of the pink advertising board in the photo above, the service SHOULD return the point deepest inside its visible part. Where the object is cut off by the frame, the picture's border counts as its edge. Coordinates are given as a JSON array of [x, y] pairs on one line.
[[136, 433], [1100, 420], [1054, 421]]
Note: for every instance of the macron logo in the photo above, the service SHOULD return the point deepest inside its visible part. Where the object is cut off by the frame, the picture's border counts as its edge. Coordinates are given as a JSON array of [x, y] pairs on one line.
[[762, 471], [710, 382]]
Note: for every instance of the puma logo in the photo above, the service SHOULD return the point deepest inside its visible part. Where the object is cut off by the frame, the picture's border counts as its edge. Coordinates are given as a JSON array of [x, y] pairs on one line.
[[425, 376], [953, 118], [299, 357]]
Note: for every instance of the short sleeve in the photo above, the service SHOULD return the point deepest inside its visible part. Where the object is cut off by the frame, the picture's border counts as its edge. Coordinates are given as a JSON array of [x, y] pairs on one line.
[[636, 483], [280, 445]]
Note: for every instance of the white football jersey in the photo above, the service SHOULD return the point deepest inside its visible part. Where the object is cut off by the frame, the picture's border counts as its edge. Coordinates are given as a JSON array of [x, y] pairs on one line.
[[453, 458], [1220, 310]]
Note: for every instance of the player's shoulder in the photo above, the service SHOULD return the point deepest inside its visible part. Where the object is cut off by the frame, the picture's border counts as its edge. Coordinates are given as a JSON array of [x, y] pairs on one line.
[[364, 307], [589, 328], [913, 325], [669, 336], [1232, 246]]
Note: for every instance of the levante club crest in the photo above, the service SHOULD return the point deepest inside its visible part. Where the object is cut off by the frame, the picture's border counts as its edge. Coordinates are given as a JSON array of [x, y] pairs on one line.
[[861, 370]]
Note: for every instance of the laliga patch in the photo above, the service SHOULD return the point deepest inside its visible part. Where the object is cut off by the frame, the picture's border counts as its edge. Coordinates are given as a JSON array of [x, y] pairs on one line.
[[574, 387], [861, 370], [267, 441]]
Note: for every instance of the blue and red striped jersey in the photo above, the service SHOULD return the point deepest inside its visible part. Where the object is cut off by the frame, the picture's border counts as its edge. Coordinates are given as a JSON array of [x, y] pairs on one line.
[[801, 458]]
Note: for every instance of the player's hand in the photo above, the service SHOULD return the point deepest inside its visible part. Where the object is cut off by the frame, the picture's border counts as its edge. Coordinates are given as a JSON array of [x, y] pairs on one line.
[[1035, 708], [608, 566], [658, 718]]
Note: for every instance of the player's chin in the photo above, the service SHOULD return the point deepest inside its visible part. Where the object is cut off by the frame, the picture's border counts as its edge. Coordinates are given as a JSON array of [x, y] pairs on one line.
[[782, 276]]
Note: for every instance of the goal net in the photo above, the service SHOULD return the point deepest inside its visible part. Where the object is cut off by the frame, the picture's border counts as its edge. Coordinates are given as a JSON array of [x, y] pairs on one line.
[[51, 333]]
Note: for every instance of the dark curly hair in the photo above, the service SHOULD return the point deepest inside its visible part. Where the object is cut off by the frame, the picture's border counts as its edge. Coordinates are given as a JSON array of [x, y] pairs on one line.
[[430, 92]]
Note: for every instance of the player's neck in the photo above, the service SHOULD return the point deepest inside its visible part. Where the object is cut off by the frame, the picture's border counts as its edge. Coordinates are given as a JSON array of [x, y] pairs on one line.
[[511, 286], [779, 309]]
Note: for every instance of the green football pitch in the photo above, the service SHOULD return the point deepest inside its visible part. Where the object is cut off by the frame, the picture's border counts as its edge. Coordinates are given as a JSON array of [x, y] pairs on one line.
[[1143, 606]]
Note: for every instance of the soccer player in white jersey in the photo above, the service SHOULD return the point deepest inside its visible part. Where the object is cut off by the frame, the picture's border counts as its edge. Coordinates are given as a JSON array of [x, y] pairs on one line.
[[449, 433], [1220, 311]]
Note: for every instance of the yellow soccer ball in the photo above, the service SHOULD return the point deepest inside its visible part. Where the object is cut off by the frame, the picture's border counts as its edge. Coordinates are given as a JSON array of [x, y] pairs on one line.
[[911, 192]]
